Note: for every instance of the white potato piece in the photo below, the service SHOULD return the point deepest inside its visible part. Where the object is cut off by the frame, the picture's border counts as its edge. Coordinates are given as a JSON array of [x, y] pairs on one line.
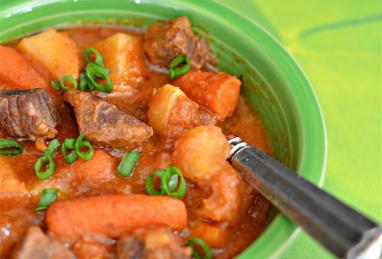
[[54, 51]]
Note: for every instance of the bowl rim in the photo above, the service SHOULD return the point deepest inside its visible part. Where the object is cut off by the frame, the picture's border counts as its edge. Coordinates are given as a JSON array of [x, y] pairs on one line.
[[312, 137]]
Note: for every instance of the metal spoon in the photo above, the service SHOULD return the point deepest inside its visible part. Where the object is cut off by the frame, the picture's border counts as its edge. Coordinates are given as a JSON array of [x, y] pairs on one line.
[[342, 230]]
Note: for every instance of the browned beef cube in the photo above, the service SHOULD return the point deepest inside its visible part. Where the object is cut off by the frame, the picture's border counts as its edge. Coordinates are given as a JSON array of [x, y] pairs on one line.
[[38, 245], [164, 41], [152, 244], [104, 124], [28, 114]]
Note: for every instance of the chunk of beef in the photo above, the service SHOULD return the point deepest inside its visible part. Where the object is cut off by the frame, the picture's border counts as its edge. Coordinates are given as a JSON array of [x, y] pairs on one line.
[[165, 41], [88, 249], [38, 245], [104, 124], [130, 248], [152, 244], [28, 114]]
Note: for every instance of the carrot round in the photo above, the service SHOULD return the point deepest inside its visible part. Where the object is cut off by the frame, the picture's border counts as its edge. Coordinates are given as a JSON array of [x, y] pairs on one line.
[[217, 91], [112, 215]]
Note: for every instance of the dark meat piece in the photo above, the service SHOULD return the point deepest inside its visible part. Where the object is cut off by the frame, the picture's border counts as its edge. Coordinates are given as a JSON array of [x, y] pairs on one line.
[[130, 248], [104, 124], [152, 244], [165, 41], [38, 245], [28, 114], [90, 249]]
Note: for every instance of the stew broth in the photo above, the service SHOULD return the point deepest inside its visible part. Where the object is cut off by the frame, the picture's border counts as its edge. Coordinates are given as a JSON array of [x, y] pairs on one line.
[[17, 173]]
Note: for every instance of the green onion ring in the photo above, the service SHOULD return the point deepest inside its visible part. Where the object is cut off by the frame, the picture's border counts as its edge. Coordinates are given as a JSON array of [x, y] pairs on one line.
[[166, 177], [94, 72], [92, 51], [173, 182], [50, 168], [48, 196], [195, 252], [128, 162], [69, 79], [10, 147], [55, 84], [52, 148], [179, 66], [81, 143], [150, 187], [69, 145], [83, 83]]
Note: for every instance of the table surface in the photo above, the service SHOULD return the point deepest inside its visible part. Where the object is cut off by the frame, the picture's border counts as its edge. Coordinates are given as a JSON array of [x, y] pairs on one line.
[[338, 44]]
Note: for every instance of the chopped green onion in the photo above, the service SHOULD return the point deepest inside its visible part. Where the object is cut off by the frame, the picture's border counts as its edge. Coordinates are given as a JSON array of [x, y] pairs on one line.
[[173, 182], [62, 84], [47, 161], [179, 66], [81, 143], [95, 72], [71, 80], [83, 83], [165, 183], [48, 196], [128, 163], [10, 147], [92, 52], [69, 145], [55, 84], [50, 167], [150, 186], [170, 180], [192, 242], [52, 148]]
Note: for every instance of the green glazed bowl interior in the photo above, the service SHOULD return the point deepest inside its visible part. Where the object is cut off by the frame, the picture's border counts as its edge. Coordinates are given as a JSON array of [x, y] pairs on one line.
[[273, 83]]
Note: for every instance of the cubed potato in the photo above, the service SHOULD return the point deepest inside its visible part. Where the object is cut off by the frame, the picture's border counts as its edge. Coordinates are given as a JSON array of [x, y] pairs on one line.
[[217, 91], [171, 112], [201, 152], [225, 202], [10, 185], [54, 51], [16, 71], [123, 55], [214, 235]]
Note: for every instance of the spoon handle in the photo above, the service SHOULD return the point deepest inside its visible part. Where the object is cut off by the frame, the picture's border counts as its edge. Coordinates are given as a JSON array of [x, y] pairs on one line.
[[340, 229]]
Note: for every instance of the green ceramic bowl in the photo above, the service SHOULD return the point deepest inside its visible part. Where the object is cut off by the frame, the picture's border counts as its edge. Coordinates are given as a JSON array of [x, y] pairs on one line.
[[273, 83]]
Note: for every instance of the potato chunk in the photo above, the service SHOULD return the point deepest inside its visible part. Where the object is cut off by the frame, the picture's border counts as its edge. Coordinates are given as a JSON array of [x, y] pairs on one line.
[[216, 236], [10, 185], [54, 51], [225, 201], [123, 55], [201, 152], [17, 71], [171, 112]]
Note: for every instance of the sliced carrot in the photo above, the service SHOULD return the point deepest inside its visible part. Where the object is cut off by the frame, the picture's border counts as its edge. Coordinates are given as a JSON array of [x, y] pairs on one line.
[[99, 169], [17, 71], [217, 91], [111, 215]]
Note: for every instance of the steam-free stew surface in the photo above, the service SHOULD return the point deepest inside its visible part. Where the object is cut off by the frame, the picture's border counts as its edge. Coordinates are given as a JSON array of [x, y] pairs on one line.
[[21, 188]]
